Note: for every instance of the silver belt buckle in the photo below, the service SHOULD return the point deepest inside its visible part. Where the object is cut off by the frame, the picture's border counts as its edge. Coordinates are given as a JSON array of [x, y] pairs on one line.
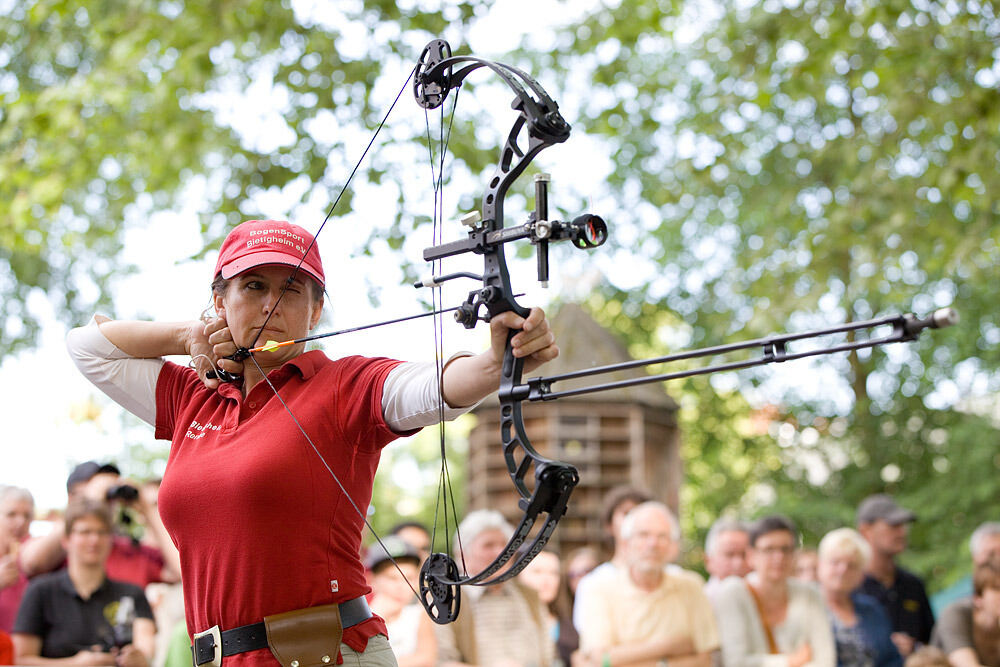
[[217, 646]]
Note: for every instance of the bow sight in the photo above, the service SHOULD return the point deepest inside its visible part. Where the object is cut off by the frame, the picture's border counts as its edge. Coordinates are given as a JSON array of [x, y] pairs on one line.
[[585, 232]]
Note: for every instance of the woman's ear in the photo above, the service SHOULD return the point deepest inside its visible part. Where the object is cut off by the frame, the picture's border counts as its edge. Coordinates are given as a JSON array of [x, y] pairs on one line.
[[219, 304], [316, 314]]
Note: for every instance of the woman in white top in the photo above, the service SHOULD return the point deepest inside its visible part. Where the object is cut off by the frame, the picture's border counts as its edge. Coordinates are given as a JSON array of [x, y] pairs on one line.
[[769, 619]]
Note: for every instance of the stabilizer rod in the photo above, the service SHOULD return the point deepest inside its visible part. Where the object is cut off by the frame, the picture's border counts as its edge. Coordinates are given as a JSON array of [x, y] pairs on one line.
[[773, 350]]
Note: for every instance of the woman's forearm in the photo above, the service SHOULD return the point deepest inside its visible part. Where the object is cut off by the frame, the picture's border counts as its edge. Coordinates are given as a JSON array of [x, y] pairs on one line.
[[468, 380], [145, 340]]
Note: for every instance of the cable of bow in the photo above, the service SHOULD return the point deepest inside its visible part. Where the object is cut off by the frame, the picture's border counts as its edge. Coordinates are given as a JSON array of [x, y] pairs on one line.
[[538, 116]]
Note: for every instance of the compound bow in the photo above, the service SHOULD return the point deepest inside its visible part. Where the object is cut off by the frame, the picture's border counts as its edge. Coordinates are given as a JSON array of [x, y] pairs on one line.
[[540, 125], [437, 73]]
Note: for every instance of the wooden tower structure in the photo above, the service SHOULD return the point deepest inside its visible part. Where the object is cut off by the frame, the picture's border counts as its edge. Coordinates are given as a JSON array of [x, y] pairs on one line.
[[622, 437]]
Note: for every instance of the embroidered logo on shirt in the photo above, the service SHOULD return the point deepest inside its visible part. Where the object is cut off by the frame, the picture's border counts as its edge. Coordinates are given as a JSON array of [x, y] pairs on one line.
[[334, 586], [196, 430]]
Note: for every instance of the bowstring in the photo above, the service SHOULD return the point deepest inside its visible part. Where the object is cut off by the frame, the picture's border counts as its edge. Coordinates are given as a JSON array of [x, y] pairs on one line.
[[445, 489]]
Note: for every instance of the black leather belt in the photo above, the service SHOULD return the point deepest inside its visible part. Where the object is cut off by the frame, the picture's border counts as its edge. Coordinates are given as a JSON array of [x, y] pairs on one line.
[[254, 636]]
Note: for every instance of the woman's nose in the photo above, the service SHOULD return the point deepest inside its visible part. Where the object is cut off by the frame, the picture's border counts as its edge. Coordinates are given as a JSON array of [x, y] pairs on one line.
[[271, 301]]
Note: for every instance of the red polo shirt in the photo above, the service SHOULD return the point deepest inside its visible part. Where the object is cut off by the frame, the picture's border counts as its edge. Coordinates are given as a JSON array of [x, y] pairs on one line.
[[135, 563], [261, 525]]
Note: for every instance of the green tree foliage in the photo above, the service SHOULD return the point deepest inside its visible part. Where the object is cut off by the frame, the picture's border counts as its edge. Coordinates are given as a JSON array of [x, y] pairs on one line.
[[728, 455], [805, 163], [786, 164], [109, 109]]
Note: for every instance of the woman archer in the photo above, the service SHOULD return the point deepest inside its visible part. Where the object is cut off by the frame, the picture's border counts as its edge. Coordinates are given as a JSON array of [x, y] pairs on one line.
[[269, 544]]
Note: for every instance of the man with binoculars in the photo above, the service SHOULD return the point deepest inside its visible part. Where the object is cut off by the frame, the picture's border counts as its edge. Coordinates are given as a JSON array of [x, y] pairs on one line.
[[132, 561]]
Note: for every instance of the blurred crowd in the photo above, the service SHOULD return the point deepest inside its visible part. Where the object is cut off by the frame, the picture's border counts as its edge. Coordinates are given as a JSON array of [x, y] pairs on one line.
[[102, 588]]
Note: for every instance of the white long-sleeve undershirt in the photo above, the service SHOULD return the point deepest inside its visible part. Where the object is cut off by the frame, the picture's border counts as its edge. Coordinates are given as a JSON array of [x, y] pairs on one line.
[[410, 395]]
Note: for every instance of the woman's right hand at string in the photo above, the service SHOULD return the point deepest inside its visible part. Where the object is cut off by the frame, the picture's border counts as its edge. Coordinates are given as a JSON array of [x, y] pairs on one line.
[[210, 343]]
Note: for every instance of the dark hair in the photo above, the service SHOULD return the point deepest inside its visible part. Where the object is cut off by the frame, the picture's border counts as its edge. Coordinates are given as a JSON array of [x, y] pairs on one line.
[[409, 524], [618, 495], [772, 524], [985, 576], [220, 285], [86, 507], [392, 564]]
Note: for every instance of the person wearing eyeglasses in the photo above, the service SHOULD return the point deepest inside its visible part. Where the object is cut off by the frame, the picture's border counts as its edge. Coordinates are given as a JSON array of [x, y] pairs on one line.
[[78, 615], [768, 618]]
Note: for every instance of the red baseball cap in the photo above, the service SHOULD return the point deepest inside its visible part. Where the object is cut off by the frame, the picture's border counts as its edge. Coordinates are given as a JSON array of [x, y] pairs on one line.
[[259, 242]]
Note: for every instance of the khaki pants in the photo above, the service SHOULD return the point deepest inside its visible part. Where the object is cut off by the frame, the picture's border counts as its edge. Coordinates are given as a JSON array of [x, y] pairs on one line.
[[378, 653]]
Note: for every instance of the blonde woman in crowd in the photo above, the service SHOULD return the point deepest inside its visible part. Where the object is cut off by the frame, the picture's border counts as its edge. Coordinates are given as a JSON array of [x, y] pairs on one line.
[[861, 628]]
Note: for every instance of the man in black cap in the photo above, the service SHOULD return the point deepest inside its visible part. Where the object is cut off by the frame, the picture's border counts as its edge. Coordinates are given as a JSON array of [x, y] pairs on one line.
[[885, 525], [83, 473]]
